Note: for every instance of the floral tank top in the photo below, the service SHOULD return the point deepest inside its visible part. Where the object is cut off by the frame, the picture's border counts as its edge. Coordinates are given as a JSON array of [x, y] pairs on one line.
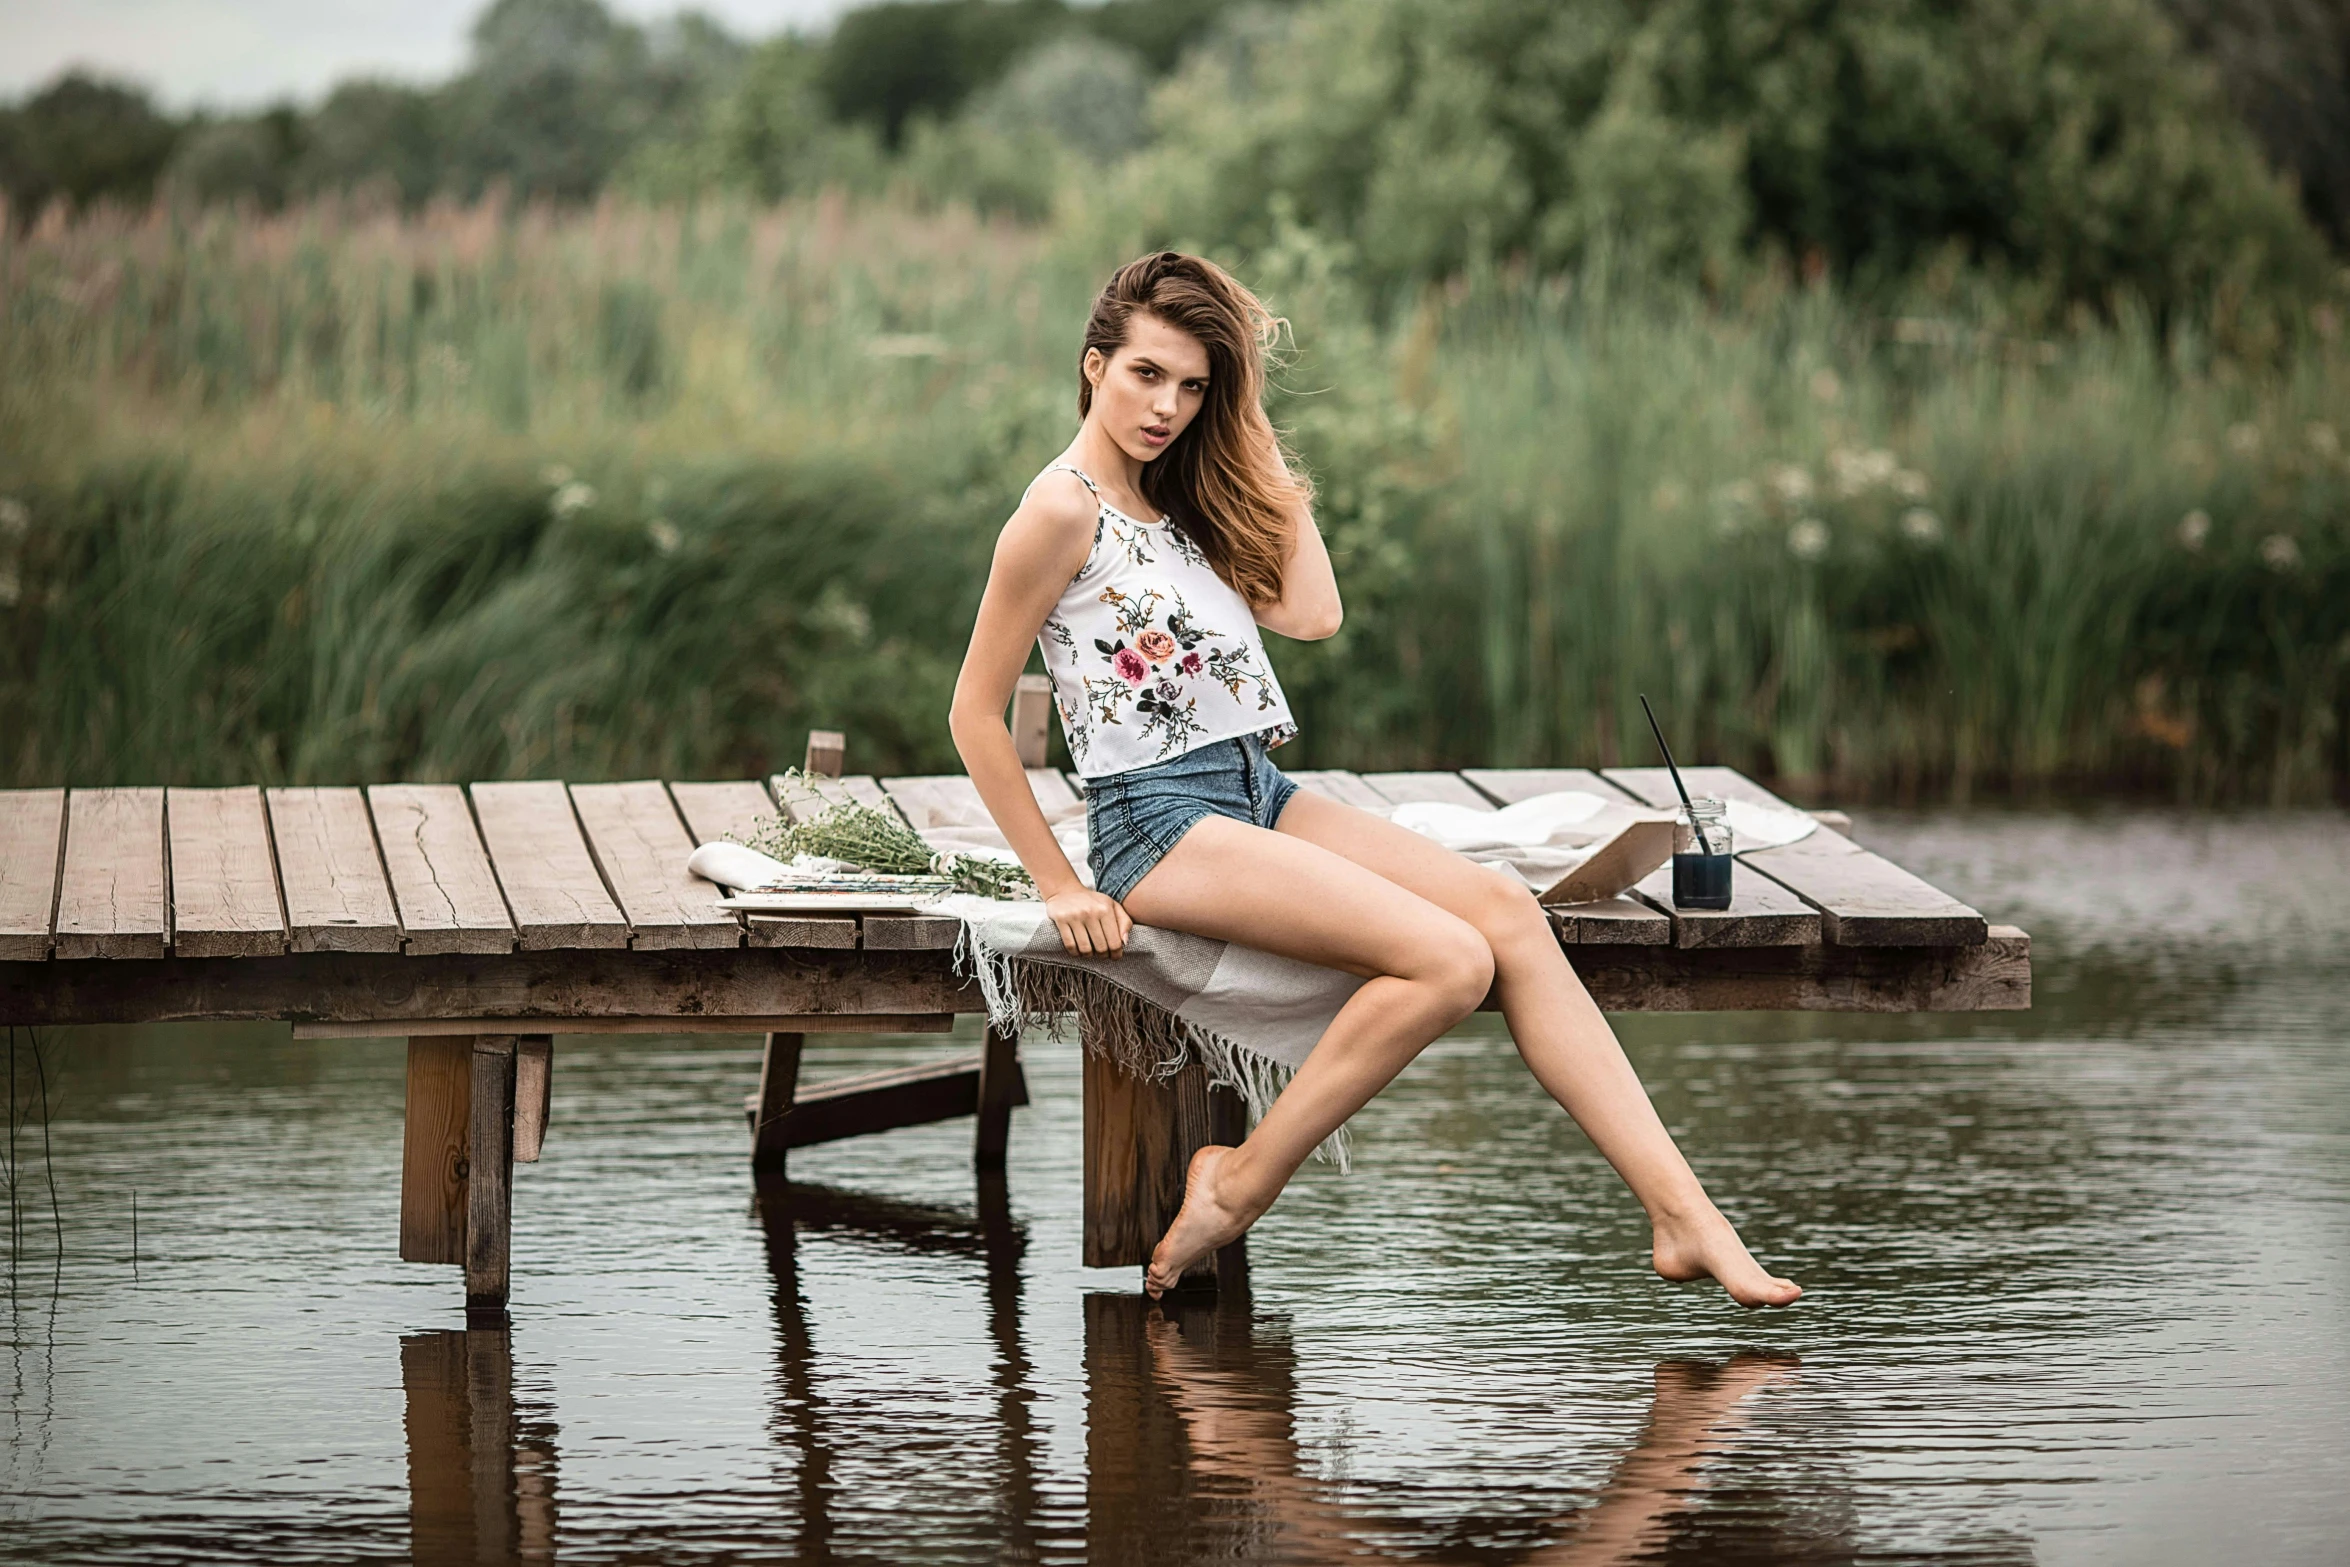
[[1151, 653]]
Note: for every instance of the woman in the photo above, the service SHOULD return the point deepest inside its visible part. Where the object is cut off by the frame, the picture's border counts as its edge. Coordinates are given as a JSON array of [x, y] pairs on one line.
[[1144, 561]]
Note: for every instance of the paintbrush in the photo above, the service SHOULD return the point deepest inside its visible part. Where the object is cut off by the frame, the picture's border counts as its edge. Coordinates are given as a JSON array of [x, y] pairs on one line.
[[1654, 729]]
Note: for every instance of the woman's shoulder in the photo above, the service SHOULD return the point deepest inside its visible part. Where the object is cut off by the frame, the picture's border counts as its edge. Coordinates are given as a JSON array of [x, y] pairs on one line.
[[1059, 502], [1058, 516]]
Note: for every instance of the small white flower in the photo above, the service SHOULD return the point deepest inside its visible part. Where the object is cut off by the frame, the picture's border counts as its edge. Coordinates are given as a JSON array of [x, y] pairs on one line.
[[15, 520], [2244, 439], [554, 476], [1911, 485], [1808, 539], [571, 497], [1921, 526], [2323, 440], [1825, 386], [664, 535], [1792, 481], [2194, 528], [2278, 552]]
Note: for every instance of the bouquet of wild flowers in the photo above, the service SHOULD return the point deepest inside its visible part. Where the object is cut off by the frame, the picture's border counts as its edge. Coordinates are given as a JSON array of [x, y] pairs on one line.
[[879, 842]]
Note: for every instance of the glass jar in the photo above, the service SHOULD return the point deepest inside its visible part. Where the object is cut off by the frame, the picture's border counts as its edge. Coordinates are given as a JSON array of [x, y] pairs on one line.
[[1701, 855]]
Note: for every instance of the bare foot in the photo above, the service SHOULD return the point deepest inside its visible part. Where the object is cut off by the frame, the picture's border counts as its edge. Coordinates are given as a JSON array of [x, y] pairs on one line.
[[1202, 1226], [1704, 1246]]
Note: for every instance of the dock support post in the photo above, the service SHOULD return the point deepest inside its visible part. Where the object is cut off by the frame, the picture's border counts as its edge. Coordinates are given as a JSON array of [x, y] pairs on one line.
[[1139, 1139], [489, 1179], [779, 1081], [999, 1090], [435, 1147]]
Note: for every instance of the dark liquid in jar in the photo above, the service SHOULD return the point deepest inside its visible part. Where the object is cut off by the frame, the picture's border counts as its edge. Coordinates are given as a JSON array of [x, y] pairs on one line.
[[1701, 881]]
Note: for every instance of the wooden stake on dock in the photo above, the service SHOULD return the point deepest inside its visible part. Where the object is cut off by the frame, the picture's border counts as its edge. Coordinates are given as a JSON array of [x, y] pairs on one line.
[[828, 751], [1032, 712]]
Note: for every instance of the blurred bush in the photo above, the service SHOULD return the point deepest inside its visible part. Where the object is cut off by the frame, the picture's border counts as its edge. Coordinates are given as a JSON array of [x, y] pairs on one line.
[[2069, 145]]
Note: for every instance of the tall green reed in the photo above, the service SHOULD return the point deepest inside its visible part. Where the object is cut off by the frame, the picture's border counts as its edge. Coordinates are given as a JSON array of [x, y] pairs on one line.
[[337, 494]]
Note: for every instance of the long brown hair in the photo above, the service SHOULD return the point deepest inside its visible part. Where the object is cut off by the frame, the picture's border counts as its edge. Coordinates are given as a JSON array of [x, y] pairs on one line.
[[1222, 480]]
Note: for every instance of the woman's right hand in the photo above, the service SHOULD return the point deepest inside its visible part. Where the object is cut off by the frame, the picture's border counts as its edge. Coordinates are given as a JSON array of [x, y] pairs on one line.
[[1092, 924]]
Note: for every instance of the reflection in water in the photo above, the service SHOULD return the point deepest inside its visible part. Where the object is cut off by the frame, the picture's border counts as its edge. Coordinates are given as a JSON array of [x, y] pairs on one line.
[[1193, 1455], [809, 1429], [481, 1469]]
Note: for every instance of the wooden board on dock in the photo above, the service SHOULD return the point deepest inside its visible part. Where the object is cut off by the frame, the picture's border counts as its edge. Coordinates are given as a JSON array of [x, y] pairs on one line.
[[332, 873], [441, 878], [543, 865], [113, 899], [32, 844], [641, 846], [1864, 899], [223, 876]]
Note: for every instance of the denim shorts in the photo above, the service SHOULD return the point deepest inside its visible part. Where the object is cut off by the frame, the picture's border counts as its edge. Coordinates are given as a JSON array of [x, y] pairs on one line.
[[1133, 818]]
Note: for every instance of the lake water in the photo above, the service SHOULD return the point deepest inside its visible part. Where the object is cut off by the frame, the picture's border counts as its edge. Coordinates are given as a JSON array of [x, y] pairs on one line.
[[2079, 1291]]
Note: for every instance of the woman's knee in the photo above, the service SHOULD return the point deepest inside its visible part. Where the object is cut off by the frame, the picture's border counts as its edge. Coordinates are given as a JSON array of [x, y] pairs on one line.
[[1507, 914], [1460, 964]]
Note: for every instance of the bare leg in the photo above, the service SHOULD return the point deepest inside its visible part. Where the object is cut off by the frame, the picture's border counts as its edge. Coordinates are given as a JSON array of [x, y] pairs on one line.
[[1564, 1038], [1279, 893]]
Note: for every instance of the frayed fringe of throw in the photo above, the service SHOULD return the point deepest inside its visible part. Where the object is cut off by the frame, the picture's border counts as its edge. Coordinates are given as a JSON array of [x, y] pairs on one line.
[[1130, 1032]]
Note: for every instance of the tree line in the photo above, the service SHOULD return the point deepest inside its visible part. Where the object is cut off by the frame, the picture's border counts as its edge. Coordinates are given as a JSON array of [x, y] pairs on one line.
[[2089, 150]]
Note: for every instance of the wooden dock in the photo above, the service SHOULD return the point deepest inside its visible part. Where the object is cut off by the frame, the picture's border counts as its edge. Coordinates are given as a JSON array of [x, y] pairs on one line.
[[481, 921]]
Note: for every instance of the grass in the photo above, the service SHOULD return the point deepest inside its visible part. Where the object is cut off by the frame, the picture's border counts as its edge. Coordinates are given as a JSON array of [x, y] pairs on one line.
[[338, 495]]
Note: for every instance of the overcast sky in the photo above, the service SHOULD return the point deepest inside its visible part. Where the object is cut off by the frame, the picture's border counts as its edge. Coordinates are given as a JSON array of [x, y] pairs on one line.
[[238, 53]]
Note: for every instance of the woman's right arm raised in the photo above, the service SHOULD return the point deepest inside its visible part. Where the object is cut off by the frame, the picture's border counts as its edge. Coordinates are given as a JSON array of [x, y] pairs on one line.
[[1043, 546]]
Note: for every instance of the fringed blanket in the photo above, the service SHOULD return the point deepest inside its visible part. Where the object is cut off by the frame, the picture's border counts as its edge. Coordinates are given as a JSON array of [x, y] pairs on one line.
[[1249, 1017]]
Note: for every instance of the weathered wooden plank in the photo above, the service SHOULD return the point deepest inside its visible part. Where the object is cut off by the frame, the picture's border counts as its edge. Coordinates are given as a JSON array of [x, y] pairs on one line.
[[641, 846], [1342, 786], [337, 898], [910, 932], [1447, 788], [544, 868], [112, 897], [1001, 1086], [223, 876], [534, 1094], [442, 884], [800, 1022], [489, 1175], [779, 1084], [544, 992], [886, 1100], [1993, 976], [1864, 899], [794, 930], [803, 797], [434, 1148], [952, 799], [1761, 914], [32, 845], [718, 812]]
